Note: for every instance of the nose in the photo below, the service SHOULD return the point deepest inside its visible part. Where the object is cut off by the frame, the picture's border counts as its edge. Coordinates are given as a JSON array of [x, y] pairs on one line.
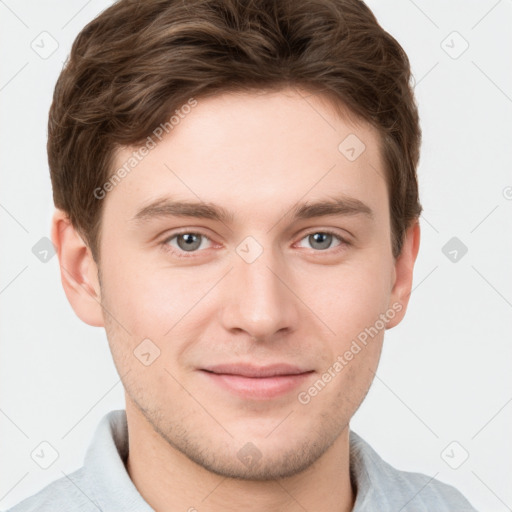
[[259, 299]]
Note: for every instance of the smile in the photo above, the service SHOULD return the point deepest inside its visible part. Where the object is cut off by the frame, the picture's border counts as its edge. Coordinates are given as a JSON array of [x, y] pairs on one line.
[[252, 382]]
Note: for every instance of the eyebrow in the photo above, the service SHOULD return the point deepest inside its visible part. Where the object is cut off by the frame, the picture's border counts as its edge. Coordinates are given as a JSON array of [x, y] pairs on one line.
[[166, 207]]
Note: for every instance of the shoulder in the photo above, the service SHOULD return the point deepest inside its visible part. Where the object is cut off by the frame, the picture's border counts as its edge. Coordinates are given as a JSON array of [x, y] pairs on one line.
[[102, 483], [379, 482], [67, 493]]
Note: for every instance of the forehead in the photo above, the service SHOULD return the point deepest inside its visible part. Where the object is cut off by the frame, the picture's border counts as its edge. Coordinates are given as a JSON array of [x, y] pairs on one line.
[[248, 150]]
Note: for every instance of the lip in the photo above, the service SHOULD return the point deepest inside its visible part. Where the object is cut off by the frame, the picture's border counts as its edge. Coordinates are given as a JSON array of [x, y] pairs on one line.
[[257, 382]]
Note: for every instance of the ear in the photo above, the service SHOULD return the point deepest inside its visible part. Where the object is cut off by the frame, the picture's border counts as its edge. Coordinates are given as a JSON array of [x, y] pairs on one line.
[[403, 274], [78, 270]]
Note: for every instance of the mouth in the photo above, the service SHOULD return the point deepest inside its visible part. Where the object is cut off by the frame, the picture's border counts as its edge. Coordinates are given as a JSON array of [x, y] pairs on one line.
[[257, 382]]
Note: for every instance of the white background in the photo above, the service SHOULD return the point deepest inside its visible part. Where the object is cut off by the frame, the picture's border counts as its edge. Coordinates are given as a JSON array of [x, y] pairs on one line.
[[445, 371]]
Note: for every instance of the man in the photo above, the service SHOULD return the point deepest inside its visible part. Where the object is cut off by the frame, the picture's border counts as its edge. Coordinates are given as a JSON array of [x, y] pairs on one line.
[[237, 205]]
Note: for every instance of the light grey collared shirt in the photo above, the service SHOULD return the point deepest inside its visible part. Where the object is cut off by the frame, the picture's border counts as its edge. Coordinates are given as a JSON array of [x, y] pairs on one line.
[[103, 483]]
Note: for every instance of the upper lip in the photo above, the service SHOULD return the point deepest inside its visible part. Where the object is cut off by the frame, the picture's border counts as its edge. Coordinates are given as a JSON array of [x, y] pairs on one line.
[[251, 370]]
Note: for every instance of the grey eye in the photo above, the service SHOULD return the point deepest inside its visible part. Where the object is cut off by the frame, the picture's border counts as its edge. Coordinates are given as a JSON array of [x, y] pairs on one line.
[[320, 240], [323, 240], [189, 241]]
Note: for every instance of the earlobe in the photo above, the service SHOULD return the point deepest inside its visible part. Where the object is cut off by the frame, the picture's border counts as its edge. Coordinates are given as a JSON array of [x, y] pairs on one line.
[[403, 274], [79, 272]]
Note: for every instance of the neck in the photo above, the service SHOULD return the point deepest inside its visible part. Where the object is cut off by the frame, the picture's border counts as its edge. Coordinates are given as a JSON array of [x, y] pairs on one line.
[[169, 481]]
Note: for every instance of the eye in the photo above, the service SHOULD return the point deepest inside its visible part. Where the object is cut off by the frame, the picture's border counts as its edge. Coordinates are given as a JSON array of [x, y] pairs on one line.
[[186, 242], [322, 240]]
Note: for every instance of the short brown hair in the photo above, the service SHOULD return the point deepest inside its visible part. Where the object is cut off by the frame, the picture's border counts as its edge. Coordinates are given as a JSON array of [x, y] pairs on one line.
[[140, 60]]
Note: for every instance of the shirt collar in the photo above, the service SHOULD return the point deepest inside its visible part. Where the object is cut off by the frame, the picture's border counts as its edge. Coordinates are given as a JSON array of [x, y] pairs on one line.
[[111, 487]]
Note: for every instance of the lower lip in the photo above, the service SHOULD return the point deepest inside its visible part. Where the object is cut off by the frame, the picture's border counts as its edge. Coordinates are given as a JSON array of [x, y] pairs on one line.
[[258, 387]]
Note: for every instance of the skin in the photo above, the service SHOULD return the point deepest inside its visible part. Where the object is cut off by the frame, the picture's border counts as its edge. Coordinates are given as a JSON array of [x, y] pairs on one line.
[[256, 155]]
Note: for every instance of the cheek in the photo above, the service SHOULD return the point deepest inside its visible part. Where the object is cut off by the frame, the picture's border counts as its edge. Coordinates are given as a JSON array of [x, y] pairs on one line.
[[149, 301], [357, 295]]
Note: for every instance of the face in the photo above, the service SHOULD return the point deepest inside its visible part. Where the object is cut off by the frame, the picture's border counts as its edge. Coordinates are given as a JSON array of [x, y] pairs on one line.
[[238, 328]]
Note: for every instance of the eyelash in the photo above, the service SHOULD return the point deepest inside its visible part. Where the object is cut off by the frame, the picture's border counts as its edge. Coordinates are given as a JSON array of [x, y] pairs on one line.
[[183, 254]]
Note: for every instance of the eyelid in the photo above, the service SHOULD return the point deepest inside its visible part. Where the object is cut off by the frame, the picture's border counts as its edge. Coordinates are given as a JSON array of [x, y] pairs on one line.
[[186, 231]]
